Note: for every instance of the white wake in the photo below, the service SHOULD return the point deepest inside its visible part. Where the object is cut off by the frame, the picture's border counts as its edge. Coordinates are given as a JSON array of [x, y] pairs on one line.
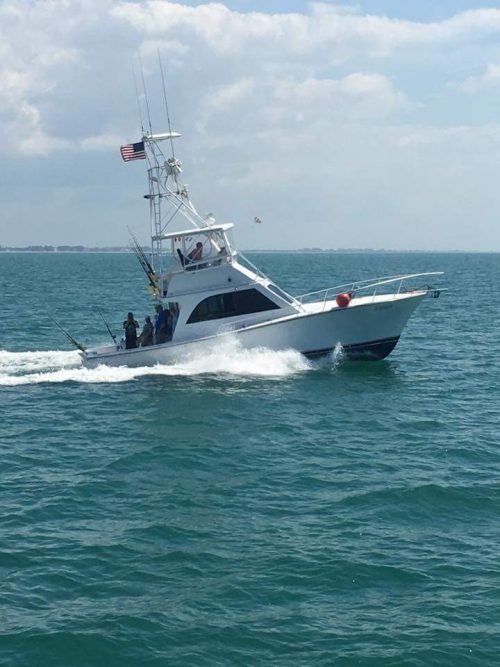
[[228, 358]]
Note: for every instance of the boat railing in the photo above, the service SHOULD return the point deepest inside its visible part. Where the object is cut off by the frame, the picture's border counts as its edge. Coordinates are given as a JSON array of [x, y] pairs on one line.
[[370, 287], [187, 265], [242, 259]]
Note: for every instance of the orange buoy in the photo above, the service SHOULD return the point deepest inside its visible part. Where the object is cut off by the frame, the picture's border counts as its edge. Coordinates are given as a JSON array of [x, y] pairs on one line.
[[343, 300]]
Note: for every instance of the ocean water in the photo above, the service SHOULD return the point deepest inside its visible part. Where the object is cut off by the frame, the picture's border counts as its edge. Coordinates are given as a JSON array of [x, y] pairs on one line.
[[249, 508]]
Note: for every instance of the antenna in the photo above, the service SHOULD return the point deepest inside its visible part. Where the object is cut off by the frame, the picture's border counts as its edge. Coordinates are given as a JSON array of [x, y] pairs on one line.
[[166, 103], [145, 95], [137, 97]]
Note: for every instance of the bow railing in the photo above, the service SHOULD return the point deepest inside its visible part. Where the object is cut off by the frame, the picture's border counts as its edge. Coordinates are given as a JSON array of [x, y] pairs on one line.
[[372, 287]]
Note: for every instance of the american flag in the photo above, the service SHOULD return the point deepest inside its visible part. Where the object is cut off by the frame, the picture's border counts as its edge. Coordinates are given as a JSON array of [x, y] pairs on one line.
[[133, 151]]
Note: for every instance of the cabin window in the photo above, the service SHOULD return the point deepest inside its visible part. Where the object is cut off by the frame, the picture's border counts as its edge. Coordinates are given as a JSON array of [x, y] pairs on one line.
[[231, 304]]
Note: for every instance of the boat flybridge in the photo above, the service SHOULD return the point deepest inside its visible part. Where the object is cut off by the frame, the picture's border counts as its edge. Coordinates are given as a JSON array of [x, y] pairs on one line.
[[211, 291]]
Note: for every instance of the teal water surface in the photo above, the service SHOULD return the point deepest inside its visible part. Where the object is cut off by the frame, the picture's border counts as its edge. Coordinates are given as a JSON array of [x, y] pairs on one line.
[[249, 508]]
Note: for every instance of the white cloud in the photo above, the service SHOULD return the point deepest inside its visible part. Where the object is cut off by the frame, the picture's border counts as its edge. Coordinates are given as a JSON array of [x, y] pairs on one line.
[[103, 142], [36, 142], [326, 27], [489, 79], [20, 119], [360, 95], [227, 97], [456, 138], [319, 102], [62, 61]]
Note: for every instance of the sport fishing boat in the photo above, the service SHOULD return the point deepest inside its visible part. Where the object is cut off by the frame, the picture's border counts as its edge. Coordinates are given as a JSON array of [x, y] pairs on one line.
[[211, 291]]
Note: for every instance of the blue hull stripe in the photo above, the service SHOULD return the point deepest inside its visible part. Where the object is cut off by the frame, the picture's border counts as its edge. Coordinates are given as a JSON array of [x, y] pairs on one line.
[[372, 350]]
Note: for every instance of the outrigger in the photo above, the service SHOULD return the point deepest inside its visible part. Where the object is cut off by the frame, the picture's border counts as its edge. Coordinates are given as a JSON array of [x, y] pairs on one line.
[[216, 292]]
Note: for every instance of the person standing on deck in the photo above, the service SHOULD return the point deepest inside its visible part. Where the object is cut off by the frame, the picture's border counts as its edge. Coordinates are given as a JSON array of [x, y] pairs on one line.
[[161, 324], [130, 325], [174, 311], [146, 337]]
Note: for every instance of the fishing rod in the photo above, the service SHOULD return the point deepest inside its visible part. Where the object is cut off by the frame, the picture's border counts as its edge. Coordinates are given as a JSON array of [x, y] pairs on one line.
[[107, 327], [143, 256], [143, 261], [69, 336], [145, 267]]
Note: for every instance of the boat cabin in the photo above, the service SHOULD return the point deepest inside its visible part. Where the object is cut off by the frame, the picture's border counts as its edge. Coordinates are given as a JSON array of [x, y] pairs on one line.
[[204, 278]]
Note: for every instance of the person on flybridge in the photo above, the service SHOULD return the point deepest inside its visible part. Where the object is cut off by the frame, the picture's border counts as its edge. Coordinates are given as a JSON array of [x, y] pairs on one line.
[[197, 253]]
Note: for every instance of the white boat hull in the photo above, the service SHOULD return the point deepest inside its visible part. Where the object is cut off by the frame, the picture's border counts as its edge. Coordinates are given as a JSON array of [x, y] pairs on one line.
[[369, 328]]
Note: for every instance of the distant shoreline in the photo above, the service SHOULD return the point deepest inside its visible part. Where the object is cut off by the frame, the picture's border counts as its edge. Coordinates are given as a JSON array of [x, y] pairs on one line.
[[56, 250], [60, 249]]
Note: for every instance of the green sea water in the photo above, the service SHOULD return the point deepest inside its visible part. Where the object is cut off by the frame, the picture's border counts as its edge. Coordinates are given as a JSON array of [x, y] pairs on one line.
[[249, 508]]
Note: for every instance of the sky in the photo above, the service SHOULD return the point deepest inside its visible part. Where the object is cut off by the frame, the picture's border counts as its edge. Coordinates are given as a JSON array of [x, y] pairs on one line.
[[366, 125]]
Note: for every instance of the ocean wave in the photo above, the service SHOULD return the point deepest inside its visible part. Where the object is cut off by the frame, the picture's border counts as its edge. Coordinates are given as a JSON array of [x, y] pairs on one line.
[[229, 358]]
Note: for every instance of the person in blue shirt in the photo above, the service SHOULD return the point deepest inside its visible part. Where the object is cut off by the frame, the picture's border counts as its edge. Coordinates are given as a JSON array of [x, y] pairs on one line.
[[163, 324]]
